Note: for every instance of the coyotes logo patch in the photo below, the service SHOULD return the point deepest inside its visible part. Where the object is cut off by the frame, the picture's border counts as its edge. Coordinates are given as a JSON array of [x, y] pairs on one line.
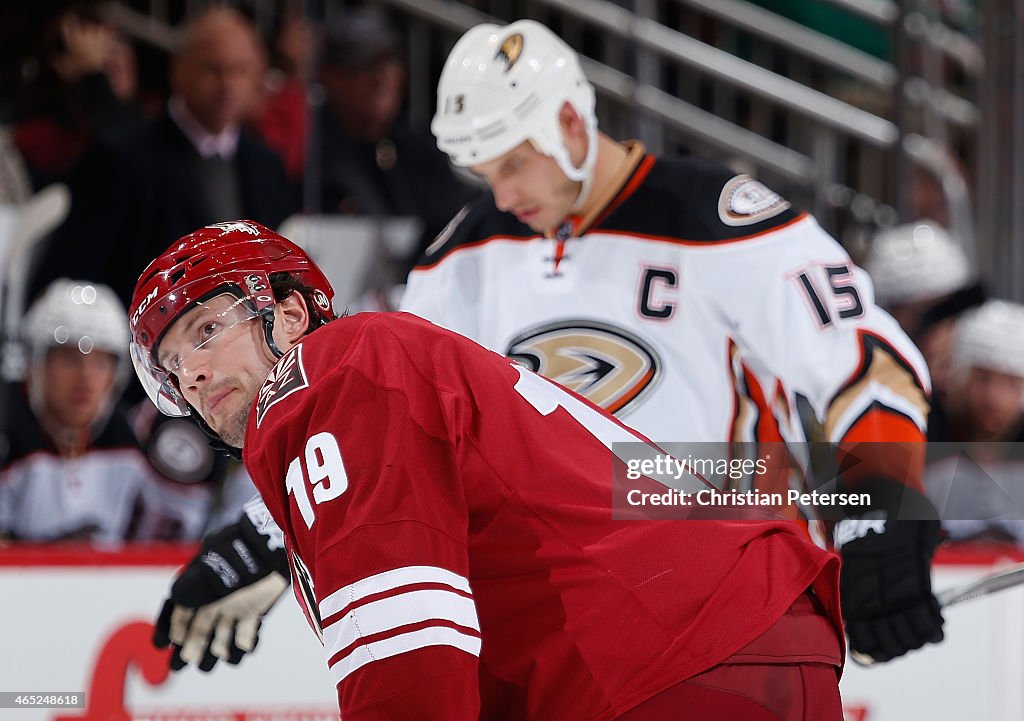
[[285, 378]]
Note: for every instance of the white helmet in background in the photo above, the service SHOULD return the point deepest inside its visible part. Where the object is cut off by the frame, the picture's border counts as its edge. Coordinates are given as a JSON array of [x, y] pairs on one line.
[[84, 315], [992, 337], [504, 85], [915, 262]]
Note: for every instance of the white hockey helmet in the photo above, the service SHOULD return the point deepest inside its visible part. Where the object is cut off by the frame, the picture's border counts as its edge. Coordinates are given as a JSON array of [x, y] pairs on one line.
[[82, 314], [504, 85], [914, 262], [990, 336]]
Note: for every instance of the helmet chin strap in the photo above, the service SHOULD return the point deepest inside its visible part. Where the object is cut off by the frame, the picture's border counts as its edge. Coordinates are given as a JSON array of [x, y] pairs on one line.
[[268, 332], [584, 174]]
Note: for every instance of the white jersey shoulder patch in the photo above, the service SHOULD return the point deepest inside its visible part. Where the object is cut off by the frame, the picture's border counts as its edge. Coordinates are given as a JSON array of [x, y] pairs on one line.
[[745, 201]]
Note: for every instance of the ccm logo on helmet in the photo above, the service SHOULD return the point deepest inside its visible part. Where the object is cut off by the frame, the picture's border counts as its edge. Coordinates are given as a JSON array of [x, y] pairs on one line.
[[143, 305], [607, 365], [510, 50]]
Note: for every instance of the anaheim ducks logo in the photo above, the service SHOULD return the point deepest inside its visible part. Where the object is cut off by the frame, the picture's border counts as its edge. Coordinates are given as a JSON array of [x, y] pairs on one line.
[[610, 367], [510, 50], [285, 378]]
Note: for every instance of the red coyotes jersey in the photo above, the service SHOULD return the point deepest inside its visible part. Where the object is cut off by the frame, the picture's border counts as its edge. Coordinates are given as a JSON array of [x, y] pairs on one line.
[[448, 516]]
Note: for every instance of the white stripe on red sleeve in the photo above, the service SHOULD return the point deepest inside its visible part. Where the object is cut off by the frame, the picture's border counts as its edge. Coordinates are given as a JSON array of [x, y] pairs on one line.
[[387, 581], [403, 643], [402, 616]]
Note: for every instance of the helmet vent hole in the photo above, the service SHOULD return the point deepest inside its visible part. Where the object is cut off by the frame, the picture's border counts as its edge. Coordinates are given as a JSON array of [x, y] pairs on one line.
[[513, 84]]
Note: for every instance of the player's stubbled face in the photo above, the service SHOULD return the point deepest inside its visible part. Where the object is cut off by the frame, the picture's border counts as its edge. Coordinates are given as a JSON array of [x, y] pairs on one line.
[[530, 185], [219, 359]]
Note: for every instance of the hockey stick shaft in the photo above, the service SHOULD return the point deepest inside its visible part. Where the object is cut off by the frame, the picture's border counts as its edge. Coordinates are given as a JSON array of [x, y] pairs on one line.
[[998, 581]]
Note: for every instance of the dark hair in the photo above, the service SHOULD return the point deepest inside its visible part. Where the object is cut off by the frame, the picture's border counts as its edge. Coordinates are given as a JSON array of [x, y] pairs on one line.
[[284, 284]]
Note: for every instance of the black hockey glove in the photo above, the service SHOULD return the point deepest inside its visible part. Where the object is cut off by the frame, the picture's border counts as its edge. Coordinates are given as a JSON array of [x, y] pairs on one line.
[[885, 585], [218, 602]]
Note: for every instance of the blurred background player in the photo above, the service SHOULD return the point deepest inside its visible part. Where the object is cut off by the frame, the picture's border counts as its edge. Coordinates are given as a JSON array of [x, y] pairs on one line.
[[976, 469], [72, 468], [693, 302], [923, 277]]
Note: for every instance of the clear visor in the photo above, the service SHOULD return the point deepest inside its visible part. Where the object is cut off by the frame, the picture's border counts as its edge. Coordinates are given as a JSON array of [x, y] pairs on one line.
[[189, 344]]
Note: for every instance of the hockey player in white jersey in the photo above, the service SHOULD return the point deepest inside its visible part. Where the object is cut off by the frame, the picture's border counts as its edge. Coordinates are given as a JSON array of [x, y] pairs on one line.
[[70, 465], [693, 302]]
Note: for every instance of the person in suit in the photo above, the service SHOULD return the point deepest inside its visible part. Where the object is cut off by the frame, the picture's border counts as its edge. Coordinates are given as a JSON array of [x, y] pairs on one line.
[[194, 165], [375, 162]]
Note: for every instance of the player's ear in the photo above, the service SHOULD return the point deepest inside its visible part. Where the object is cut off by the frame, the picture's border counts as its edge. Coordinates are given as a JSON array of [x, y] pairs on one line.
[[574, 132], [570, 121], [291, 318]]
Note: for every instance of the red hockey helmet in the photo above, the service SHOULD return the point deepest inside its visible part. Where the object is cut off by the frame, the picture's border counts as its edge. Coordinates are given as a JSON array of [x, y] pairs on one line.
[[237, 258]]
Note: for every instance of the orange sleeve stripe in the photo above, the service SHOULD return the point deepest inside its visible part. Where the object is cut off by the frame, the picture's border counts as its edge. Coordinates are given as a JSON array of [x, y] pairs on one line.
[[884, 423], [900, 457]]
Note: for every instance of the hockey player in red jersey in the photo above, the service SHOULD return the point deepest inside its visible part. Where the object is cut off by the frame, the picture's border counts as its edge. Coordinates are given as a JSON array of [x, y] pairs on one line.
[[448, 521], [654, 285]]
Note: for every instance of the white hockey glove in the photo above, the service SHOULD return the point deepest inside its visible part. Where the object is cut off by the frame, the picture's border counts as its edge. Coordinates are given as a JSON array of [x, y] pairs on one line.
[[218, 602]]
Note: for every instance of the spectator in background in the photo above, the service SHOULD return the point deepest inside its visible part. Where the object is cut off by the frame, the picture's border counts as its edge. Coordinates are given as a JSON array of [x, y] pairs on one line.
[[70, 466], [374, 161], [976, 471], [133, 195], [985, 402], [281, 116], [923, 278], [87, 85]]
